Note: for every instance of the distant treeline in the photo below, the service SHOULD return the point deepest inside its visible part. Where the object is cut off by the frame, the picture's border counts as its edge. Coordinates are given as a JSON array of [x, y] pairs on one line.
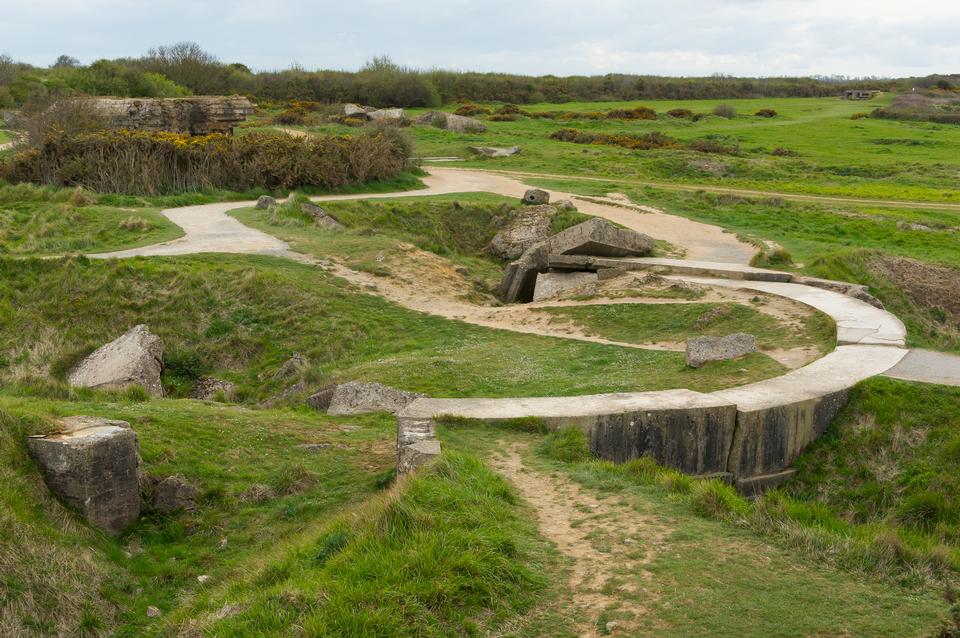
[[185, 68]]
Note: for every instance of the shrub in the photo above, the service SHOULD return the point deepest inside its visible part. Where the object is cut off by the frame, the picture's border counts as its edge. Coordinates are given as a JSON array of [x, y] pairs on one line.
[[684, 114], [766, 113], [705, 145], [508, 109], [145, 163], [639, 113], [715, 499], [925, 509], [290, 116], [647, 141], [470, 109], [725, 110], [503, 117], [859, 116], [783, 152]]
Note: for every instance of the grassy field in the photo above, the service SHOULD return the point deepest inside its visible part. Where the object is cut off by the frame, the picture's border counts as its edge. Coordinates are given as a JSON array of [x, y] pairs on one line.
[[638, 323], [43, 221], [826, 152]]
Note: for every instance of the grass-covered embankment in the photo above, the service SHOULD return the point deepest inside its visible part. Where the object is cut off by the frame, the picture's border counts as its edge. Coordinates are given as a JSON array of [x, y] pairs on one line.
[[241, 317]]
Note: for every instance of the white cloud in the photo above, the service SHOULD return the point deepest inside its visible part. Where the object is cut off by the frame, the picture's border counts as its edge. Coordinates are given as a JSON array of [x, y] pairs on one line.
[[683, 37]]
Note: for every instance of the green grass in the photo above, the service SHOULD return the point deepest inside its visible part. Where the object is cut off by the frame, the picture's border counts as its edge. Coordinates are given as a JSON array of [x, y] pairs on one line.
[[45, 220], [642, 323], [833, 153], [891, 458], [444, 553], [727, 566], [241, 317], [4, 136]]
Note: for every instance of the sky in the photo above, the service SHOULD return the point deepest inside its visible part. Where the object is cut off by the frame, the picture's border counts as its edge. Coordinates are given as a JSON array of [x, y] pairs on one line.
[[564, 37]]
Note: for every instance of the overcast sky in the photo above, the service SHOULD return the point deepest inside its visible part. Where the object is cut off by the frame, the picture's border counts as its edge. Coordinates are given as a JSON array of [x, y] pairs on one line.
[[563, 37]]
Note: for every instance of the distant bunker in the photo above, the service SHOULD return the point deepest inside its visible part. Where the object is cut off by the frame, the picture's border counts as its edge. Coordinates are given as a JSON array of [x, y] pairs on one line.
[[200, 115]]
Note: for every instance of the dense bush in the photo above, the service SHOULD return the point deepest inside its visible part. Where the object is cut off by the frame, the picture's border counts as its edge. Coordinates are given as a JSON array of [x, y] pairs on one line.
[[685, 114], [766, 113], [646, 141], [159, 163], [470, 109], [725, 110]]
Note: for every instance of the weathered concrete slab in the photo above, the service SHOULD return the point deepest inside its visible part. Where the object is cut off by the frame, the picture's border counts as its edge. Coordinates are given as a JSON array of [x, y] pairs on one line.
[[91, 465], [678, 428], [929, 367], [736, 272], [551, 284], [356, 397], [757, 485], [700, 350]]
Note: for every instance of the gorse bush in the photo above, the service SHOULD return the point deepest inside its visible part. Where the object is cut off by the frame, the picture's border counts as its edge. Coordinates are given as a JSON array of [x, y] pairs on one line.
[[725, 110], [645, 141], [145, 163], [766, 113]]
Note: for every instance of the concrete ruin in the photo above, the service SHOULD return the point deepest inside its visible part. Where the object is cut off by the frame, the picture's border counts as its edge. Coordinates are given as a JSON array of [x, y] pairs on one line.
[[199, 115], [91, 465], [594, 237]]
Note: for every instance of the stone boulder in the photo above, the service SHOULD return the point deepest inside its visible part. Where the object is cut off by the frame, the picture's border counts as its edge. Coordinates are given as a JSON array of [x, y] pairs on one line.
[[354, 110], [357, 397], [320, 216], [495, 151], [525, 227], [703, 349], [207, 389], [536, 196], [385, 114], [173, 494], [296, 364], [320, 400], [565, 205], [91, 464], [195, 115], [133, 359], [265, 201], [451, 122]]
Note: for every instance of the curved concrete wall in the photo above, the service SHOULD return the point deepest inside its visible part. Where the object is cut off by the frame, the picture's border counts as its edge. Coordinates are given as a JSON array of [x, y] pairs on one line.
[[750, 435]]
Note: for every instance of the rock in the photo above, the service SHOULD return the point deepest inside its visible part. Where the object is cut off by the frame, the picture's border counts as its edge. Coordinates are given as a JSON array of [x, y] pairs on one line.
[[320, 216], [525, 227], [564, 204], [611, 626], [536, 196], [551, 284], [451, 122], [284, 394], [296, 364], [133, 359], [385, 114], [202, 578], [152, 612], [357, 397], [91, 464], [173, 494], [258, 494], [320, 400], [208, 388], [354, 110], [703, 349], [196, 115], [495, 151], [265, 201]]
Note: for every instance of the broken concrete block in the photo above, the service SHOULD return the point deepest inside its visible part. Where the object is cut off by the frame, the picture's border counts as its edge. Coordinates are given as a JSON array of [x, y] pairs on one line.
[[133, 359], [91, 464], [600, 238], [357, 397], [703, 349], [526, 226], [551, 284], [417, 443]]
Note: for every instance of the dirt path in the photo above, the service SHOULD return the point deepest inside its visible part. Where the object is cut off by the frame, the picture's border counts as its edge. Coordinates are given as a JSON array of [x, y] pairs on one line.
[[745, 192], [609, 545]]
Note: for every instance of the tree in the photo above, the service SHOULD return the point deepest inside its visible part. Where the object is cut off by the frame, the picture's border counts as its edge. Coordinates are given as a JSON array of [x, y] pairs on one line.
[[66, 62]]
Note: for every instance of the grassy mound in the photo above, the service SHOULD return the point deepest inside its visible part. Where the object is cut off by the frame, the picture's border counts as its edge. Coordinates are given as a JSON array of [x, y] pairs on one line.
[[46, 220]]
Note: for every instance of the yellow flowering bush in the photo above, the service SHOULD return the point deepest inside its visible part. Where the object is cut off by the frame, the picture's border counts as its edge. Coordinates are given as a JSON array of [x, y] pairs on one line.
[[151, 163]]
